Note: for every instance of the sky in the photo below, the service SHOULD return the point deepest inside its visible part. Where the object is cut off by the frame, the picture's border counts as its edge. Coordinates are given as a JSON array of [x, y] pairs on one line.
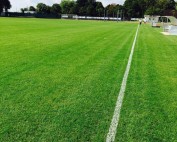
[[17, 4]]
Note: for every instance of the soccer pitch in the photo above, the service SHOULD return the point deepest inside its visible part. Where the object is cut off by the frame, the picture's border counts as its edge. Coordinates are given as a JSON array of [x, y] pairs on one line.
[[59, 81]]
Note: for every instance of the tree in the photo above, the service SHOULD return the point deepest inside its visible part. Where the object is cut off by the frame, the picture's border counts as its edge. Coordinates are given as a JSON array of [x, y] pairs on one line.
[[158, 7], [112, 9], [86, 7], [82, 11], [4, 5], [137, 8], [32, 8], [42, 8], [91, 1], [89, 8], [99, 9], [90, 11], [74, 9], [22, 10], [25, 9], [68, 6], [134, 8], [81, 3], [48, 9], [56, 9], [169, 4]]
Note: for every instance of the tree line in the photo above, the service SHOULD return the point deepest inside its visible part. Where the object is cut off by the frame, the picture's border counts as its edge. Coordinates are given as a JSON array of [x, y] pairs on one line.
[[130, 8], [79, 7], [139, 8]]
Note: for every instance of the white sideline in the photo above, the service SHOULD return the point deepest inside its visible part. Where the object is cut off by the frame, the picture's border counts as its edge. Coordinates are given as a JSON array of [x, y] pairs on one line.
[[115, 120]]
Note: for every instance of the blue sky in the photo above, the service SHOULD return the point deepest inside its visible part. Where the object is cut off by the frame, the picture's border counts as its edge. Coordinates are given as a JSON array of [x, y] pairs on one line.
[[17, 4]]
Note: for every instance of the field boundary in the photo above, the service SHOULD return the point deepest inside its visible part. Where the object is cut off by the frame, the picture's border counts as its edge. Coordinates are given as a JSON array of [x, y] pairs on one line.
[[115, 119]]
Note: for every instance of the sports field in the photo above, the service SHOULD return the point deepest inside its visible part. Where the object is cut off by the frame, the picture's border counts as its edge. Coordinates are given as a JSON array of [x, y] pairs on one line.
[[59, 81]]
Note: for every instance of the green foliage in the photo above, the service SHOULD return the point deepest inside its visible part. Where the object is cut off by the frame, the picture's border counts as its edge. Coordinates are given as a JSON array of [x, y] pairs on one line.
[[99, 9], [131, 8], [25, 9], [90, 8], [80, 7], [48, 10], [68, 7], [42, 8], [158, 7], [112, 9], [4, 4], [32, 8], [22, 10], [56, 9], [137, 8], [81, 3]]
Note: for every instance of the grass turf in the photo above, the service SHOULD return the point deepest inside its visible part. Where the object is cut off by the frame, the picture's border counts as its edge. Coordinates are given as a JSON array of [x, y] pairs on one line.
[[149, 111], [60, 79]]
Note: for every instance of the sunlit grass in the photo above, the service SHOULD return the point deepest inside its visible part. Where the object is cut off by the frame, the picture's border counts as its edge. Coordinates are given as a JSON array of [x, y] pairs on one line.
[[59, 79], [149, 111]]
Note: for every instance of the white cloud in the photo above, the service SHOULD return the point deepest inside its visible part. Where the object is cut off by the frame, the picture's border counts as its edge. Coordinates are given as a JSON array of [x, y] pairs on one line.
[[17, 4]]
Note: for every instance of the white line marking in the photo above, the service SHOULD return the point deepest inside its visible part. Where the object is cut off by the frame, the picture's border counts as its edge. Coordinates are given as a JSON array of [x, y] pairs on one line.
[[115, 120]]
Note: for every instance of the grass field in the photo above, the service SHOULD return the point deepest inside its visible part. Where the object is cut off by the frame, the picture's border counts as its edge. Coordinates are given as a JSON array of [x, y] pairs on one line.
[[59, 81], [149, 111]]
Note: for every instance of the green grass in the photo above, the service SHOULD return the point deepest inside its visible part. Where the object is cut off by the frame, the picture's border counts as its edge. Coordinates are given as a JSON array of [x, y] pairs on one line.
[[59, 79], [149, 111]]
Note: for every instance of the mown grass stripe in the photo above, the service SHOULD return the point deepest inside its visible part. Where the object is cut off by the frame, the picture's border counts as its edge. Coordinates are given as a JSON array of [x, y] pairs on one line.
[[115, 120], [54, 87]]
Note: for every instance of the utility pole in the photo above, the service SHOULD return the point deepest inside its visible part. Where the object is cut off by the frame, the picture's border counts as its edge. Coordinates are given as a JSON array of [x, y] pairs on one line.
[[123, 15], [104, 14], [118, 15], [108, 14]]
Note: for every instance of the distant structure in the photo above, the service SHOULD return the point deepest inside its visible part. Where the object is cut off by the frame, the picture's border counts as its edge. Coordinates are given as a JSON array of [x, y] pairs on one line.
[[168, 23], [153, 19], [31, 12], [74, 16], [69, 16]]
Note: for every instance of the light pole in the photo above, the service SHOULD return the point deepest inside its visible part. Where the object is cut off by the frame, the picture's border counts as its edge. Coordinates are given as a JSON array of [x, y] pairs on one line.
[[123, 15], [108, 14], [118, 15], [104, 13]]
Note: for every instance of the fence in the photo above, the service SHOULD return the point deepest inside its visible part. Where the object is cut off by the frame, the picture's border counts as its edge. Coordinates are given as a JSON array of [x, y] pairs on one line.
[[63, 16], [72, 16], [36, 15]]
